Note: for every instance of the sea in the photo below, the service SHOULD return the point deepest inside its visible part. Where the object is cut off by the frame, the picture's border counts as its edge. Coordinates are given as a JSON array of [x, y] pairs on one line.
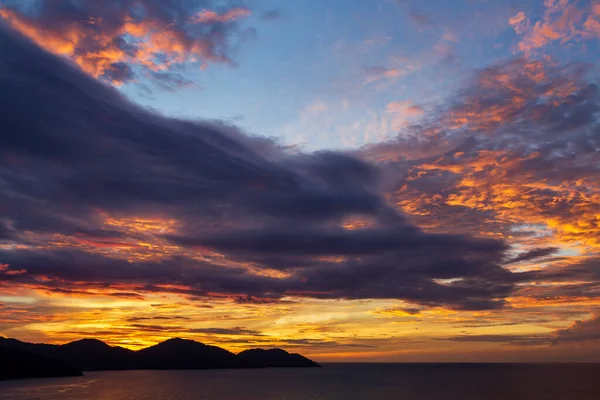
[[331, 382]]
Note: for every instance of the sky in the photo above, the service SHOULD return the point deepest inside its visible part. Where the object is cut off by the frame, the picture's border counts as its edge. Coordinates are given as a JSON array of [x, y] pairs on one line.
[[382, 180]]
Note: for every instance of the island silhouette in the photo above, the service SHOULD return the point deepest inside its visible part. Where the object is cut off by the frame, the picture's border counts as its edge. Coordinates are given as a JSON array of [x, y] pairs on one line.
[[19, 360]]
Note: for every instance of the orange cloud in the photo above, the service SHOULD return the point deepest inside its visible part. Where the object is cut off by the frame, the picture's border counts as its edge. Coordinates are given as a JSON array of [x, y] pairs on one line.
[[592, 24], [403, 111], [562, 21], [5, 269], [111, 48], [205, 16], [505, 158], [377, 73]]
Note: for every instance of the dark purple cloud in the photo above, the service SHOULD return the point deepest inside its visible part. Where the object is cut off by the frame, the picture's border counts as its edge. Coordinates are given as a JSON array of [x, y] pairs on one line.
[[75, 150], [579, 332]]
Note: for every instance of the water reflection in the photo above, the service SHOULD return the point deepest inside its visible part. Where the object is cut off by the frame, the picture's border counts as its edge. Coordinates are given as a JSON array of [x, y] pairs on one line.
[[333, 382]]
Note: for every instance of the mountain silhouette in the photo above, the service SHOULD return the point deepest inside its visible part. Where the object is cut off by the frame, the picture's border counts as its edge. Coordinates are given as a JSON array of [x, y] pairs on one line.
[[184, 354], [273, 358], [21, 364], [86, 354], [95, 355]]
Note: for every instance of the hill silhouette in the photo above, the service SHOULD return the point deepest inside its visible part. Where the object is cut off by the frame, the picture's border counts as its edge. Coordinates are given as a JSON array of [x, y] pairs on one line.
[[86, 354], [95, 355], [20, 364], [273, 358], [184, 354]]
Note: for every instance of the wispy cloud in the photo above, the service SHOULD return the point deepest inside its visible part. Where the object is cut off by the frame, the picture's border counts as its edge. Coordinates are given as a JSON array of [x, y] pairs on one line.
[[403, 112], [209, 16]]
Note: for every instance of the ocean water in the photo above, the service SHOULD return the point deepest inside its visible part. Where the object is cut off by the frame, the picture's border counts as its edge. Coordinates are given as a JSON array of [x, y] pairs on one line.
[[332, 382]]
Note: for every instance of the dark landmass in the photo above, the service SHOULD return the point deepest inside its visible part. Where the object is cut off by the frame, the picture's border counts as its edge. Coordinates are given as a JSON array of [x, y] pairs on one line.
[[20, 364], [94, 355], [86, 354], [274, 358], [185, 354]]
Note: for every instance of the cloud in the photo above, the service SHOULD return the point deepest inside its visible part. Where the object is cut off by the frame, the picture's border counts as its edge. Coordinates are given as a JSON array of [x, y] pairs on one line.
[[323, 343], [532, 254], [403, 111], [340, 241], [158, 317], [516, 148], [119, 72], [271, 15], [399, 312], [208, 16], [562, 22], [171, 81], [567, 279], [420, 19], [207, 331], [6, 270], [592, 23], [143, 204], [226, 331], [515, 340], [117, 41], [514, 156], [376, 73], [206, 206], [578, 332], [5, 233]]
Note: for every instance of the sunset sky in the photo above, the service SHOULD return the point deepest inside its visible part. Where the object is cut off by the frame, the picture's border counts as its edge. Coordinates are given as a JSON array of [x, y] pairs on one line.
[[353, 180]]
